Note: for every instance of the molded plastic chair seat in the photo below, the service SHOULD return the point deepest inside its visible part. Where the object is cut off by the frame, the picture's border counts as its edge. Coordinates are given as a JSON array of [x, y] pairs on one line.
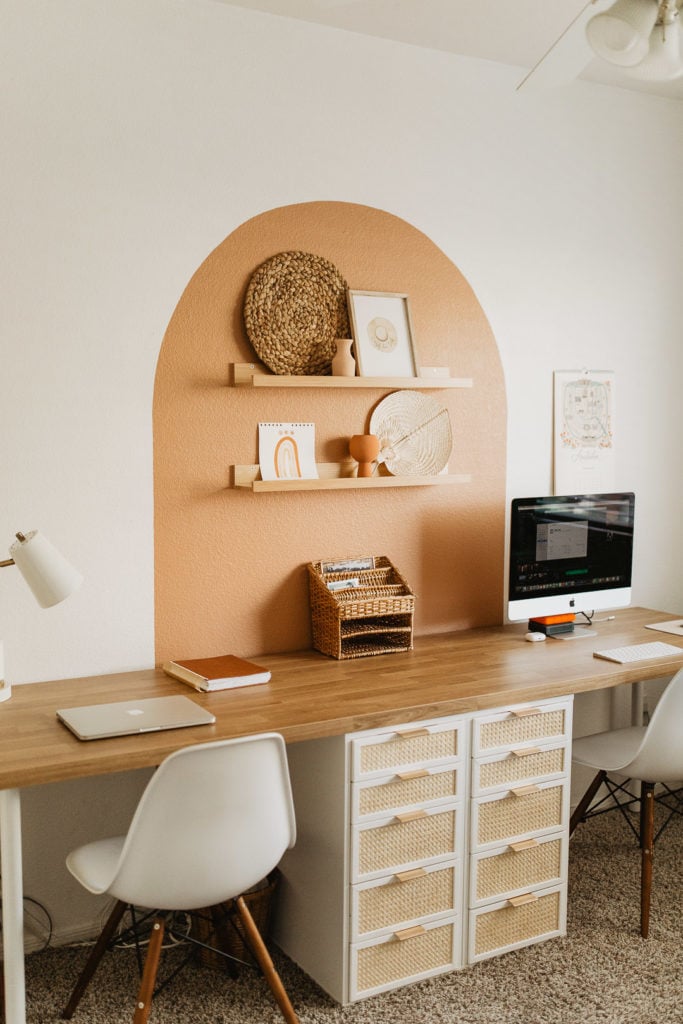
[[94, 865], [612, 750], [213, 821], [651, 755]]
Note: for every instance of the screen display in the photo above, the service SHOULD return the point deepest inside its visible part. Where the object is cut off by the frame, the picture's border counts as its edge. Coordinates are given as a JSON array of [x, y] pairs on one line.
[[569, 548]]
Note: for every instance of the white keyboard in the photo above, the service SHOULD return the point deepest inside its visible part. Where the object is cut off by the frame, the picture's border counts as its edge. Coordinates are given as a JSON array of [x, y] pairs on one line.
[[639, 652]]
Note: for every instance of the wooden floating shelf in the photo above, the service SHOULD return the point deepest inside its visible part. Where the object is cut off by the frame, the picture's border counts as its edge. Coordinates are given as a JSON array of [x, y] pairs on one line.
[[255, 375], [337, 476]]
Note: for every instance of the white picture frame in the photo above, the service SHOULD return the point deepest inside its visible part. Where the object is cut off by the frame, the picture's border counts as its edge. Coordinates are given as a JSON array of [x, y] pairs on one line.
[[382, 333]]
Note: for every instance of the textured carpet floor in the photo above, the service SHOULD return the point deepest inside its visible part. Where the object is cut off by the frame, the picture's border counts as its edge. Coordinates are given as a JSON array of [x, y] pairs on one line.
[[601, 973]]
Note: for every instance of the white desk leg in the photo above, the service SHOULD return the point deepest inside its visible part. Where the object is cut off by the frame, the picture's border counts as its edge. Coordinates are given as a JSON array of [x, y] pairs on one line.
[[12, 906], [637, 703]]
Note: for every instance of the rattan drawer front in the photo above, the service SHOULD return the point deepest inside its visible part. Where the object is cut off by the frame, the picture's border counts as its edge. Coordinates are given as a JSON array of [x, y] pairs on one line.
[[416, 745], [404, 841], [413, 788], [524, 812], [404, 957], [524, 724], [504, 926], [515, 869], [519, 766], [405, 898]]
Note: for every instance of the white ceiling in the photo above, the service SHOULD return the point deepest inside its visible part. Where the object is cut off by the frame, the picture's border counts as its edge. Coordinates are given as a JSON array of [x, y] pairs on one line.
[[514, 32]]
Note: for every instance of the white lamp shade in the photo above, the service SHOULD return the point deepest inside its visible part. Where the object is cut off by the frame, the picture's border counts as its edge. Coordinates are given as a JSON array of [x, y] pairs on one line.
[[663, 61], [621, 35], [47, 572]]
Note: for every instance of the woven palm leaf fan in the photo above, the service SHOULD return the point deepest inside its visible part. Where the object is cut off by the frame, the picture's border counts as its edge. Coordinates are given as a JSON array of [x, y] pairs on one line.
[[414, 434]]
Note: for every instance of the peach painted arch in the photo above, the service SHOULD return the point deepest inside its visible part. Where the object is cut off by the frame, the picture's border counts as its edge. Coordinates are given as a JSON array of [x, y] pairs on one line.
[[230, 565]]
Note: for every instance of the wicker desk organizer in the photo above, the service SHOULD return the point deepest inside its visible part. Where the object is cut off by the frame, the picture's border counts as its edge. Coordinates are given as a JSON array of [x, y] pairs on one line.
[[375, 617]]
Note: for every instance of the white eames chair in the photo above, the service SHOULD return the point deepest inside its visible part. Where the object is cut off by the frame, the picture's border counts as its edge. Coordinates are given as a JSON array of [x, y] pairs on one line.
[[651, 755], [213, 821]]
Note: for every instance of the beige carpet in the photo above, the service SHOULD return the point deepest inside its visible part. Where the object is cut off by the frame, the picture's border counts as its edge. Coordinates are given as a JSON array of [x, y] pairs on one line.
[[601, 973]]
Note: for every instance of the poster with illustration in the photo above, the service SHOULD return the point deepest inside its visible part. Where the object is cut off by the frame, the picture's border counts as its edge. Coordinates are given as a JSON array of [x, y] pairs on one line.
[[287, 451], [584, 431]]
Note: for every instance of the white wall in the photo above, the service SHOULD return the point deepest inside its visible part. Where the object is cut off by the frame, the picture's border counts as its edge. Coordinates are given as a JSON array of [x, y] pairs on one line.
[[137, 134]]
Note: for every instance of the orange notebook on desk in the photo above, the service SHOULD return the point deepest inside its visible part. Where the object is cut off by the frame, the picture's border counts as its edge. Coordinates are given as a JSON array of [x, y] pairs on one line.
[[219, 673]]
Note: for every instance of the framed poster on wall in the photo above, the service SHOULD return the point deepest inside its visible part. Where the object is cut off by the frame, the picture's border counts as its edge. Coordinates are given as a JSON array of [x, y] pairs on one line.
[[382, 333]]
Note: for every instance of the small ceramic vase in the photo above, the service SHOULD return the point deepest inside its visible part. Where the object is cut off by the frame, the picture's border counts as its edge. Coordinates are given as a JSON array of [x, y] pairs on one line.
[[364, 448], [343, 363]]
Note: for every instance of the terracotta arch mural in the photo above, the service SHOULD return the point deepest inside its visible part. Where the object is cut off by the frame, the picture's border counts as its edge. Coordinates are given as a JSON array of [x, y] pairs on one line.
[[230, 564]]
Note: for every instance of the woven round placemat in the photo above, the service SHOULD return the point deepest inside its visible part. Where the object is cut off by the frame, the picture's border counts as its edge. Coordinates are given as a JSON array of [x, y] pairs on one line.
[[414, 434], [294, 308]]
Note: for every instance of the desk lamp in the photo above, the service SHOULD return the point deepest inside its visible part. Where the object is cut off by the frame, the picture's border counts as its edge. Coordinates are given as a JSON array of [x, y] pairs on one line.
[[48, 574]]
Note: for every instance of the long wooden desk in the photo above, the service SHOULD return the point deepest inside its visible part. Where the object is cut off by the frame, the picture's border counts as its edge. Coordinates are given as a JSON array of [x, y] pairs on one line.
[[309, 697]]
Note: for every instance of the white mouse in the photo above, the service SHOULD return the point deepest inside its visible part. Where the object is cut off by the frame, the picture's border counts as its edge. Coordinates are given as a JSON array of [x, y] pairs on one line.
[[533, 637]]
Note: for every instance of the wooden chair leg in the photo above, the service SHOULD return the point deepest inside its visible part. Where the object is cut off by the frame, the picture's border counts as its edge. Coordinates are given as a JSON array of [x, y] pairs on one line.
[[266, 964], [585, 801], [647, 837], [96, 954], [149, 974]]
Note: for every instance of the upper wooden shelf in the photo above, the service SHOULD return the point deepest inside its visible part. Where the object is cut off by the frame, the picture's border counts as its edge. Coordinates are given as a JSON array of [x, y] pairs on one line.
[[255, 375]]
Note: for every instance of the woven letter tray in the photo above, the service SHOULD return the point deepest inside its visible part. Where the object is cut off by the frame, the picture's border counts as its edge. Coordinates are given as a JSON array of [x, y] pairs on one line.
[[375, 617]]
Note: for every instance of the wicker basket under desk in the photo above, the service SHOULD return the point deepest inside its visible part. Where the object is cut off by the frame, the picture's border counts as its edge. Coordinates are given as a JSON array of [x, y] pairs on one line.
[[374, 618]]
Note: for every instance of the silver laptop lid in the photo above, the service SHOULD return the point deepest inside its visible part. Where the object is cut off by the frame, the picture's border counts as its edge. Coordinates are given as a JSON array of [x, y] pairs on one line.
[[128, 717]]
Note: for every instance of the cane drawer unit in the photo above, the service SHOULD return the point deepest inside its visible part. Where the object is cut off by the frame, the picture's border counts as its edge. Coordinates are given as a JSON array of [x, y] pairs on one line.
[[520, 813], [519, 826], [412, 896], [520, 766], [405, 838], [534, 916], [523, 725], [402, 748], [406, 956], [513, 869]]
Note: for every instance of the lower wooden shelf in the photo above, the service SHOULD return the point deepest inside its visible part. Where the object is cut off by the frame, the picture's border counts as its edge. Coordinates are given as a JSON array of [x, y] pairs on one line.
[[337, 476]]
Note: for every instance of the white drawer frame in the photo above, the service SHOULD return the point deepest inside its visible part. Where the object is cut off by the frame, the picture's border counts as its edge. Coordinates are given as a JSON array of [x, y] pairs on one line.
[[521, 751], [456, 807], [357, 788], [455, 922], [520, 711], [537, 893], [560, 837], [454, 864], [458, 724], [478, 802]]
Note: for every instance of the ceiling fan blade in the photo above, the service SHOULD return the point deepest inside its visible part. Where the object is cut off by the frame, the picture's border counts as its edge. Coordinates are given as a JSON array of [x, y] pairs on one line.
[[567, 57]]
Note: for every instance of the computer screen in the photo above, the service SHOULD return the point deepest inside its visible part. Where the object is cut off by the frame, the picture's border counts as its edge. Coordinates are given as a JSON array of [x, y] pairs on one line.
[[570, 553]]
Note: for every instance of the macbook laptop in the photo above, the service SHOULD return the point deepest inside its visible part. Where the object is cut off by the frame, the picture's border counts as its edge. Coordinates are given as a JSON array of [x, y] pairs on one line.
[[127, 717]]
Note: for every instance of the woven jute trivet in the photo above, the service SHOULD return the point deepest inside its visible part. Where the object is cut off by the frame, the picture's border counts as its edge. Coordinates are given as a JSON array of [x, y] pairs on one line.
[[294, 308]]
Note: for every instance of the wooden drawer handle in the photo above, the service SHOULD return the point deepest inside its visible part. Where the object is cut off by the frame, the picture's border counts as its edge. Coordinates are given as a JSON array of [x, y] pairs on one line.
[[526, 897], [418, 773], [411, 815], [524, 844], [525, 790], [524, 712], [406, 876], [525, 751], [407, 734], [410, 933]]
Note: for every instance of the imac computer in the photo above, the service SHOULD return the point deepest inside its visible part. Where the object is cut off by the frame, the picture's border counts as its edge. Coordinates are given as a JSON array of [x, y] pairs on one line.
[[569, 554]]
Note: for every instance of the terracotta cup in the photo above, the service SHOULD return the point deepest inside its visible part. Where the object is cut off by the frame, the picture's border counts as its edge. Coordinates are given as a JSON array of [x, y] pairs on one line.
[[364, 448]]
